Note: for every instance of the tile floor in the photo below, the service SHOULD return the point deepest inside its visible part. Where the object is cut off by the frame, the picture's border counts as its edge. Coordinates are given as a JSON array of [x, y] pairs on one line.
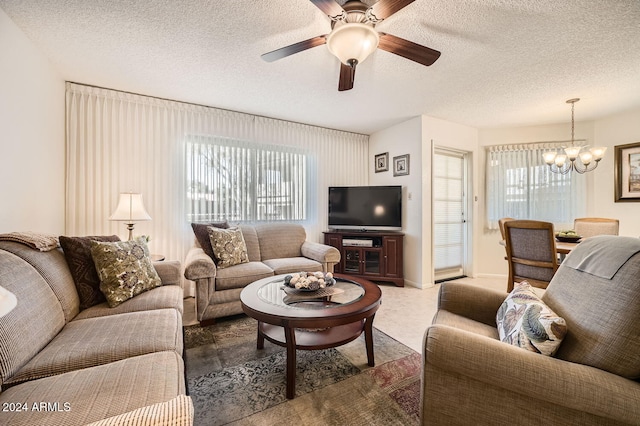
[[405, 313]]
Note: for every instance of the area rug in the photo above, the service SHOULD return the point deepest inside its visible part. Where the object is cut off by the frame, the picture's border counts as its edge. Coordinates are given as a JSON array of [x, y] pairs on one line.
[[232, 382]]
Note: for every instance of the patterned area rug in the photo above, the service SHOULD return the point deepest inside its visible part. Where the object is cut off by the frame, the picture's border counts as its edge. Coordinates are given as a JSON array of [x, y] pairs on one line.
[[232, 382]]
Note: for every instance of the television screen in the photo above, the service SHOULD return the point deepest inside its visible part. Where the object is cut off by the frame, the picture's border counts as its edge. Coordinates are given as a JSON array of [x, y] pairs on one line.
[[365, 207]]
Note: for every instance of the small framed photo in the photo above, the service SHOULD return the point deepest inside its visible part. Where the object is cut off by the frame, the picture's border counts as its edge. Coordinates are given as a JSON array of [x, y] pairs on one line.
[[382, 162], [627, 170], [401, 165]]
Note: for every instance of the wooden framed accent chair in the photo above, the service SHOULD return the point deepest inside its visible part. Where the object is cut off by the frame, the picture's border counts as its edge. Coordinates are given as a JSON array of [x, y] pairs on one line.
[[591, 226], [531, 252], [472, 375]]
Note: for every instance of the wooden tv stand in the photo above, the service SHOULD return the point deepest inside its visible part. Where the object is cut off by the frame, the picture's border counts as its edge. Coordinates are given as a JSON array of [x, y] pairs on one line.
[[374, 255]]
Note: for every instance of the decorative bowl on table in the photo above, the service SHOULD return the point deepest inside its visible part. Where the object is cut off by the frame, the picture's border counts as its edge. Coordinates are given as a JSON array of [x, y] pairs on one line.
[[568, 237], [309, 281]]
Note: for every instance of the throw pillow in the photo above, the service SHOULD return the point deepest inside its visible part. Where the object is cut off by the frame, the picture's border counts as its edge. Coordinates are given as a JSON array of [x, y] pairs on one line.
[[124, 268], [524, 320], [228, 246], [77, 253], [202, 235]]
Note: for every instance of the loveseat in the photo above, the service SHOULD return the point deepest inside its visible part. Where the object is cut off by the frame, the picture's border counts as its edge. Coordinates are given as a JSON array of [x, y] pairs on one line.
[[60, 365], [272, 248], [470, 376]]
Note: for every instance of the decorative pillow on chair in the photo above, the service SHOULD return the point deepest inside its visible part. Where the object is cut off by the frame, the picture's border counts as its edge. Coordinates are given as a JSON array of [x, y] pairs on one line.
[[228, 246], [201, 231], [124, 268], [77, 253], [524, 320]]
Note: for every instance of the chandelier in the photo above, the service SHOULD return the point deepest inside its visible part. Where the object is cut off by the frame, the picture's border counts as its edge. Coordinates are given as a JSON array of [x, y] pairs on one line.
[[576, 158]]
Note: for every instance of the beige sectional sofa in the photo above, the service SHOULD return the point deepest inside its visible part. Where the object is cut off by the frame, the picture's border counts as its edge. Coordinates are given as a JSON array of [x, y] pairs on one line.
[[63, 366], [272, 248]]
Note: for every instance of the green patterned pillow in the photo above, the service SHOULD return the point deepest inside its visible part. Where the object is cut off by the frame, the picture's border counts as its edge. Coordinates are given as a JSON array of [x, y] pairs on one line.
[[228, 246], [524, 320], [124, 268]]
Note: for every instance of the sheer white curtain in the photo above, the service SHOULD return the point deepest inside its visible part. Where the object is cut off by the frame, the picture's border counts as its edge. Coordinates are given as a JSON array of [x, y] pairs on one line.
[[121, 142], [520, 185]]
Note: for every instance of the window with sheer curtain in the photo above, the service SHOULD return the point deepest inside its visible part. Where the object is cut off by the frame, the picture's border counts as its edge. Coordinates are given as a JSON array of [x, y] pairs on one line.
[[241, 181], [520, 185]]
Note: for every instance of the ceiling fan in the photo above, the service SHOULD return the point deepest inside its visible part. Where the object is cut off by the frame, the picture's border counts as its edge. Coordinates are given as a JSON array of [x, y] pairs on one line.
[[353, 37]]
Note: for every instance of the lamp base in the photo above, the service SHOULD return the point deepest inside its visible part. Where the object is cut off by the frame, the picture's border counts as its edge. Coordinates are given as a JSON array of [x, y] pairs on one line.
[[130, 228]]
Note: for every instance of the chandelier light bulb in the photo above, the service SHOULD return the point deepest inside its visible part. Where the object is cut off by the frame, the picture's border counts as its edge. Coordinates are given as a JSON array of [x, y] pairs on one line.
[[549, 157], [586, 157]]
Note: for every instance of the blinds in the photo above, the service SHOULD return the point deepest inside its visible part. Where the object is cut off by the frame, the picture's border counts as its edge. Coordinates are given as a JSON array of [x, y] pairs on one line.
[[240, 181], [448, 212], [520, 185], [122, 142]]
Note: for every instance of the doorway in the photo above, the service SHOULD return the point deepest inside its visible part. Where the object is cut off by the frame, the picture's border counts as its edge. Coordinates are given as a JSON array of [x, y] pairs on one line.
[[450, 214]]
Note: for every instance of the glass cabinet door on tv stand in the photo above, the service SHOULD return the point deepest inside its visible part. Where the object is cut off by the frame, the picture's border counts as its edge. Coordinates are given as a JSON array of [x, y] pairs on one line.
[[363, 261]]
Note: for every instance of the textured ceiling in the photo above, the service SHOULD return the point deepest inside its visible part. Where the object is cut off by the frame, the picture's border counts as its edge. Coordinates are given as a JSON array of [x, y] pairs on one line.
[[503, 63]]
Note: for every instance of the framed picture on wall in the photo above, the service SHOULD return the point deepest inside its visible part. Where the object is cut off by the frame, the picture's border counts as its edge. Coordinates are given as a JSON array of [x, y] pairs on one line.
[[627, 170], [401, 165], [382, 162]]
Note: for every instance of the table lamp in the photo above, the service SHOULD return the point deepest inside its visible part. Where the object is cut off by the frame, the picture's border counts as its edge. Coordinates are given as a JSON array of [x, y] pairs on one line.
[[130, 210], [8, 301]]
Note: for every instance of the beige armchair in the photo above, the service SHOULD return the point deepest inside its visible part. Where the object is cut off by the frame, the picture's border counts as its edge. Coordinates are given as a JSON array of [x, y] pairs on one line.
[[471, 377]]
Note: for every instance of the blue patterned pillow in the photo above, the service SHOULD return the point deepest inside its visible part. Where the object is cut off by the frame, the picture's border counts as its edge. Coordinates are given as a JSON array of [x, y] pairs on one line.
[[524, 320]]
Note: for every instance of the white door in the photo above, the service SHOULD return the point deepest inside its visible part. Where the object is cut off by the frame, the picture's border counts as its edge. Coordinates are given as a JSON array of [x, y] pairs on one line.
[[449, 214]]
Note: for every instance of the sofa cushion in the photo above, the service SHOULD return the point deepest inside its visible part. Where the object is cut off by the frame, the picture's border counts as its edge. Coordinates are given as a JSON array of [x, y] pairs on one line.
[[77, 252], [124, 268], [52, 266], [240, 275], [524, 320], [36, 319], [175, 412], [163, 297], [123, 386], [603, 317], [228, 246], [96, 341], [280, 240], [201, 232], [293, 264]]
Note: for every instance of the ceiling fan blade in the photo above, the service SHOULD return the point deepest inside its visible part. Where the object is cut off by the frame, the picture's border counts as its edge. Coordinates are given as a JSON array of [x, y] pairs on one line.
[[283, 52], [385, 8], [408, 49], [330, 7], [347, 76]]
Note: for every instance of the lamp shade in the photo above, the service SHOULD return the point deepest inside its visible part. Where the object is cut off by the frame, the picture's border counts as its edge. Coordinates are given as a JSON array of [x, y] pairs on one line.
[[352, 41], [130, 208], [8, 301]]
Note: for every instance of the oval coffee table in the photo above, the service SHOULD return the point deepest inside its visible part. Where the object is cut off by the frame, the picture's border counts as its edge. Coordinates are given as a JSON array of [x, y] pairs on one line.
[[309, 321]]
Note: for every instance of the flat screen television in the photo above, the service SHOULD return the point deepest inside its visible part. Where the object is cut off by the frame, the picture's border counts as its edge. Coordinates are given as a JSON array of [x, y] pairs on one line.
[[365, 208]]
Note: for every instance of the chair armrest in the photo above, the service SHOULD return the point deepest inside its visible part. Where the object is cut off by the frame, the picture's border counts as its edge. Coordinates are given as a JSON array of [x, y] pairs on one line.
[[175, 412], [531, 375], [320, 252], [169, 272], [198, 265], [473, 302]]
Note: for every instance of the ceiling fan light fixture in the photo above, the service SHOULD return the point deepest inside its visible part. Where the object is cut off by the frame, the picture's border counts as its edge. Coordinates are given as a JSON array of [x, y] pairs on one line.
[[352, 42]]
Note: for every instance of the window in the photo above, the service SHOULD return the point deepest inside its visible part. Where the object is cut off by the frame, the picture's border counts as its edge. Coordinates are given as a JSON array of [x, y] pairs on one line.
[[240, 181], [520, 185]]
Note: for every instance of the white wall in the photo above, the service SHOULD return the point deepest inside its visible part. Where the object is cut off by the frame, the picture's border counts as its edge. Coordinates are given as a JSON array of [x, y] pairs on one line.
[[417, 137], [619, 129], [32, 148], [404, 138]]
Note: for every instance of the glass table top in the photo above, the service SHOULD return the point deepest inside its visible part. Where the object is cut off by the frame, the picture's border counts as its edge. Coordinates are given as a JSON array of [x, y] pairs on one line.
[[344, 292]]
